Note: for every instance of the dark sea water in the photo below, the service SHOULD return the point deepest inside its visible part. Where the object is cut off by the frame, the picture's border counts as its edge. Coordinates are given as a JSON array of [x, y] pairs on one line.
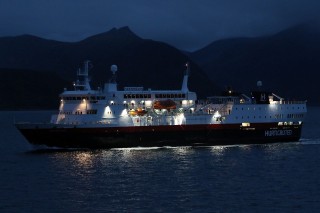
[[244, 178]]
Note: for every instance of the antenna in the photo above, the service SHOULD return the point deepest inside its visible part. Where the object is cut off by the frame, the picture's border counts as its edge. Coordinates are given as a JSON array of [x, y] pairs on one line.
[[187, 72], [184, 87]]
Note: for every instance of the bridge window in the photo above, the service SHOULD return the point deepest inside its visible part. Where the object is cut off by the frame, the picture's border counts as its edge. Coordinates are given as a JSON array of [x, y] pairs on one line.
[[92, 111]]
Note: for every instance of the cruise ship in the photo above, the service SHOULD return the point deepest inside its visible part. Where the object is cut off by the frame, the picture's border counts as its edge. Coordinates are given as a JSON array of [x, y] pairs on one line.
[[138, 117]]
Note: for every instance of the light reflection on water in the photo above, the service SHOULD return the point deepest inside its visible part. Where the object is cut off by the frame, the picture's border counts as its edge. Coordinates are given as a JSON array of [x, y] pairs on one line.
[[180, 160], [84, 159], [87, 158], [176, 177]]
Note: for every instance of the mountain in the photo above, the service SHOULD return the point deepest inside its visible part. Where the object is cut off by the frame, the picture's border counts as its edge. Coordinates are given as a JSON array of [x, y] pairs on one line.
[[287, 62], [27, 89], [141, 62]]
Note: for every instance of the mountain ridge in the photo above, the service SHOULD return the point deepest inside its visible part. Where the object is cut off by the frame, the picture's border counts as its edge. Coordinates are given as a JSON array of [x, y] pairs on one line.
[[287, 62], [141, 62]]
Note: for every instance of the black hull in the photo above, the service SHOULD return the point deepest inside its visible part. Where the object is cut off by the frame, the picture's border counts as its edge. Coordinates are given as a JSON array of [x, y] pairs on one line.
[[157, 136]]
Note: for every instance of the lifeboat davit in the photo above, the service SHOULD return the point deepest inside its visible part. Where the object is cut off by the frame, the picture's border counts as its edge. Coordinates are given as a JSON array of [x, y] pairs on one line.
[[165, 104]]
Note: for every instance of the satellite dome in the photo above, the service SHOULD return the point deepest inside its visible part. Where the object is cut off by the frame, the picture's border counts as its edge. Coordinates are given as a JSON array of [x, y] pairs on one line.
[[259, 83], [114, 68]]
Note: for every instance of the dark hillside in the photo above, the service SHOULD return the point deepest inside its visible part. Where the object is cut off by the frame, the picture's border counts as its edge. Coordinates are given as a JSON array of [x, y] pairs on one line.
[[27, 89], [141, 62], [287, 63]]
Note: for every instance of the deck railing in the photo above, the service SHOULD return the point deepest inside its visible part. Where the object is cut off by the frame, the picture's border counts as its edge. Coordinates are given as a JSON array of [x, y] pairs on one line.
[[289, 102]]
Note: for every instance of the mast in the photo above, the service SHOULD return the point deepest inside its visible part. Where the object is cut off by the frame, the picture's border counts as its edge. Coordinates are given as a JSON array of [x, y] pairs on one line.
[[83, 81], [184, 87]]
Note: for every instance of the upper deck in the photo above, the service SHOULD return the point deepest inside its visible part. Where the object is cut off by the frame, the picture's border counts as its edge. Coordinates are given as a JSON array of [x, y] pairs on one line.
[[110, 105]]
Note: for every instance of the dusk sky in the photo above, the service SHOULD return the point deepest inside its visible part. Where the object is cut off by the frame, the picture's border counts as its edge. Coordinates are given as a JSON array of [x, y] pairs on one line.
[[185, 24]]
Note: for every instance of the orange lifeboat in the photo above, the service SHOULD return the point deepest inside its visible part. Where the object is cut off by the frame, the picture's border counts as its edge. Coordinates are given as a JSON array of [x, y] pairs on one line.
[[138, 111], [166, 104], [141, 112], [132, 112]]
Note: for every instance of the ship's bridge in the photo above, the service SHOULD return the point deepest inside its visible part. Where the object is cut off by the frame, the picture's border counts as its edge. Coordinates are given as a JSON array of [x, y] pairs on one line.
[[146, 98]]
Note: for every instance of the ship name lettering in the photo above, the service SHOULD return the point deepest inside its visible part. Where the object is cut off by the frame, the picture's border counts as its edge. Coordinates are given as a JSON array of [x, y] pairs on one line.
[[133, 89], [271, 133]]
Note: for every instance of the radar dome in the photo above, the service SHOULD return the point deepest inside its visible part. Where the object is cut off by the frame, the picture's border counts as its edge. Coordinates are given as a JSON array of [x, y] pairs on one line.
[[259, 83], [114, 68]]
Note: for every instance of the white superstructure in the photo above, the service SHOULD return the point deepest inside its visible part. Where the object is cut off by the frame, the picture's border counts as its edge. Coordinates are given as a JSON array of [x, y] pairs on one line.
[[136, 106]]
